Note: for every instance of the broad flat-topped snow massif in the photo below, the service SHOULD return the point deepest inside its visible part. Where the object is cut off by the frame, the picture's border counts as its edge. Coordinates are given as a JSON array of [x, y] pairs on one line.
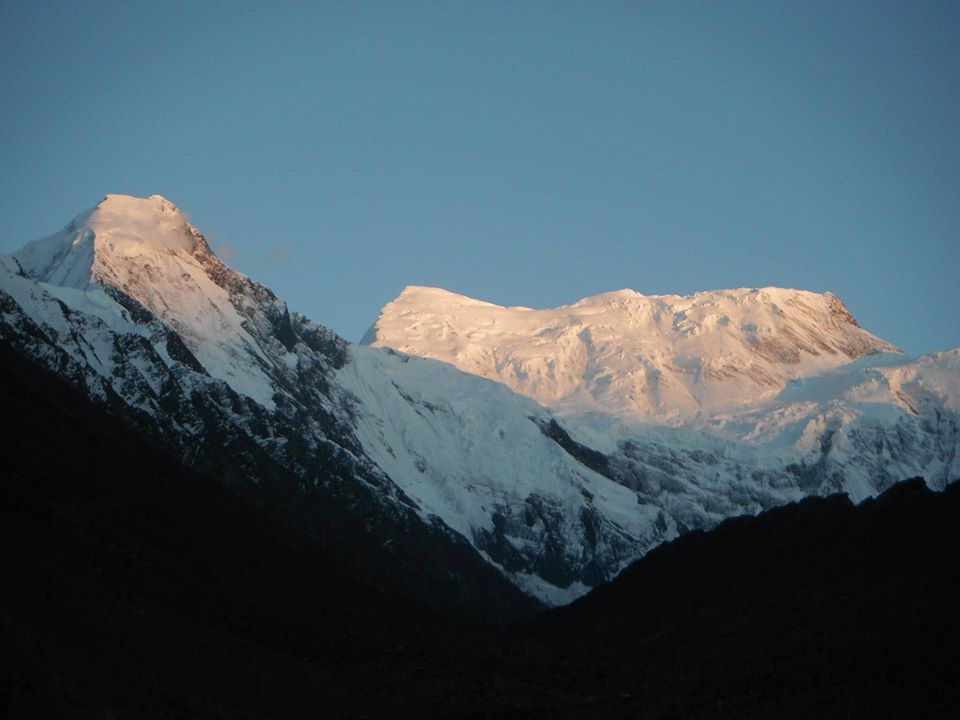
[[407, 458], [667, 358], [760, 379]]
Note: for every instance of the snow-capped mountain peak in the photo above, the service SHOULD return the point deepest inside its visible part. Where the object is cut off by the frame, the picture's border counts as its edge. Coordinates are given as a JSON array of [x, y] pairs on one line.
[[669, 357], [154, 222], [119, 225], [147, 249]]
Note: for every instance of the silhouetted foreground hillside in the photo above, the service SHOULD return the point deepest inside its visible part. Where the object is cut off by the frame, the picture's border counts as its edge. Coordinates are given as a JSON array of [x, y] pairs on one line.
[[139, 589], [819, 608]]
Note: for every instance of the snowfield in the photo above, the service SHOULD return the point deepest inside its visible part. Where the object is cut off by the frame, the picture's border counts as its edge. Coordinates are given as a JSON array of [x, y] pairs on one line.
[[665, 358]]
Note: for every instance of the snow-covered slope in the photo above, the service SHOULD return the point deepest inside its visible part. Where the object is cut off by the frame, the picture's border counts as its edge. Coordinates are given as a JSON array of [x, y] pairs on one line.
[[443, 483], [662, 357], [474, 454]]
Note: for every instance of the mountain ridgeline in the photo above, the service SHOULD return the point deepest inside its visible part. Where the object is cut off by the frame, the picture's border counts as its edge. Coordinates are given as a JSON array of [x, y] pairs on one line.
[[443, 479], [667, 358]]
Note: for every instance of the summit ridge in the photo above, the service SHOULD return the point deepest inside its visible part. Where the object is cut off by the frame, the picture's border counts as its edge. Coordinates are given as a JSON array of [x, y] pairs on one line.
[[671, 358]]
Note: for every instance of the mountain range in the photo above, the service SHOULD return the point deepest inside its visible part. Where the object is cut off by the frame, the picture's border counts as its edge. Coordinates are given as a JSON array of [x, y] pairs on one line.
[[481, 460]]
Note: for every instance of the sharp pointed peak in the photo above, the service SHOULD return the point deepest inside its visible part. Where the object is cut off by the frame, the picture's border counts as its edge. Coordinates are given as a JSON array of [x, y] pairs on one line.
[[121, 225]]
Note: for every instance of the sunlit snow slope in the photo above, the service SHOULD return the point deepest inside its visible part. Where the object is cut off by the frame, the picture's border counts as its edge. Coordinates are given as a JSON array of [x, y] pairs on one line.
[[663, 357], [147, 249], [708, 405]]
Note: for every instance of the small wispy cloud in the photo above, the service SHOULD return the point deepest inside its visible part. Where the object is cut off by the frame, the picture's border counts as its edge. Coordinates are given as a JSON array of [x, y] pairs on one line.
[[225, 251], [278, 254]]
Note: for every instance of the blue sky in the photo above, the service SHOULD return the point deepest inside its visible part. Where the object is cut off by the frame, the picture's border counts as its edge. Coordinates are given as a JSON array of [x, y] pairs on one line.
[[526, 153]]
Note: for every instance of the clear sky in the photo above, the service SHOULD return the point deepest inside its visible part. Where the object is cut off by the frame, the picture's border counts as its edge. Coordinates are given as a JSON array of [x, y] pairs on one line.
[[526, 153]]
